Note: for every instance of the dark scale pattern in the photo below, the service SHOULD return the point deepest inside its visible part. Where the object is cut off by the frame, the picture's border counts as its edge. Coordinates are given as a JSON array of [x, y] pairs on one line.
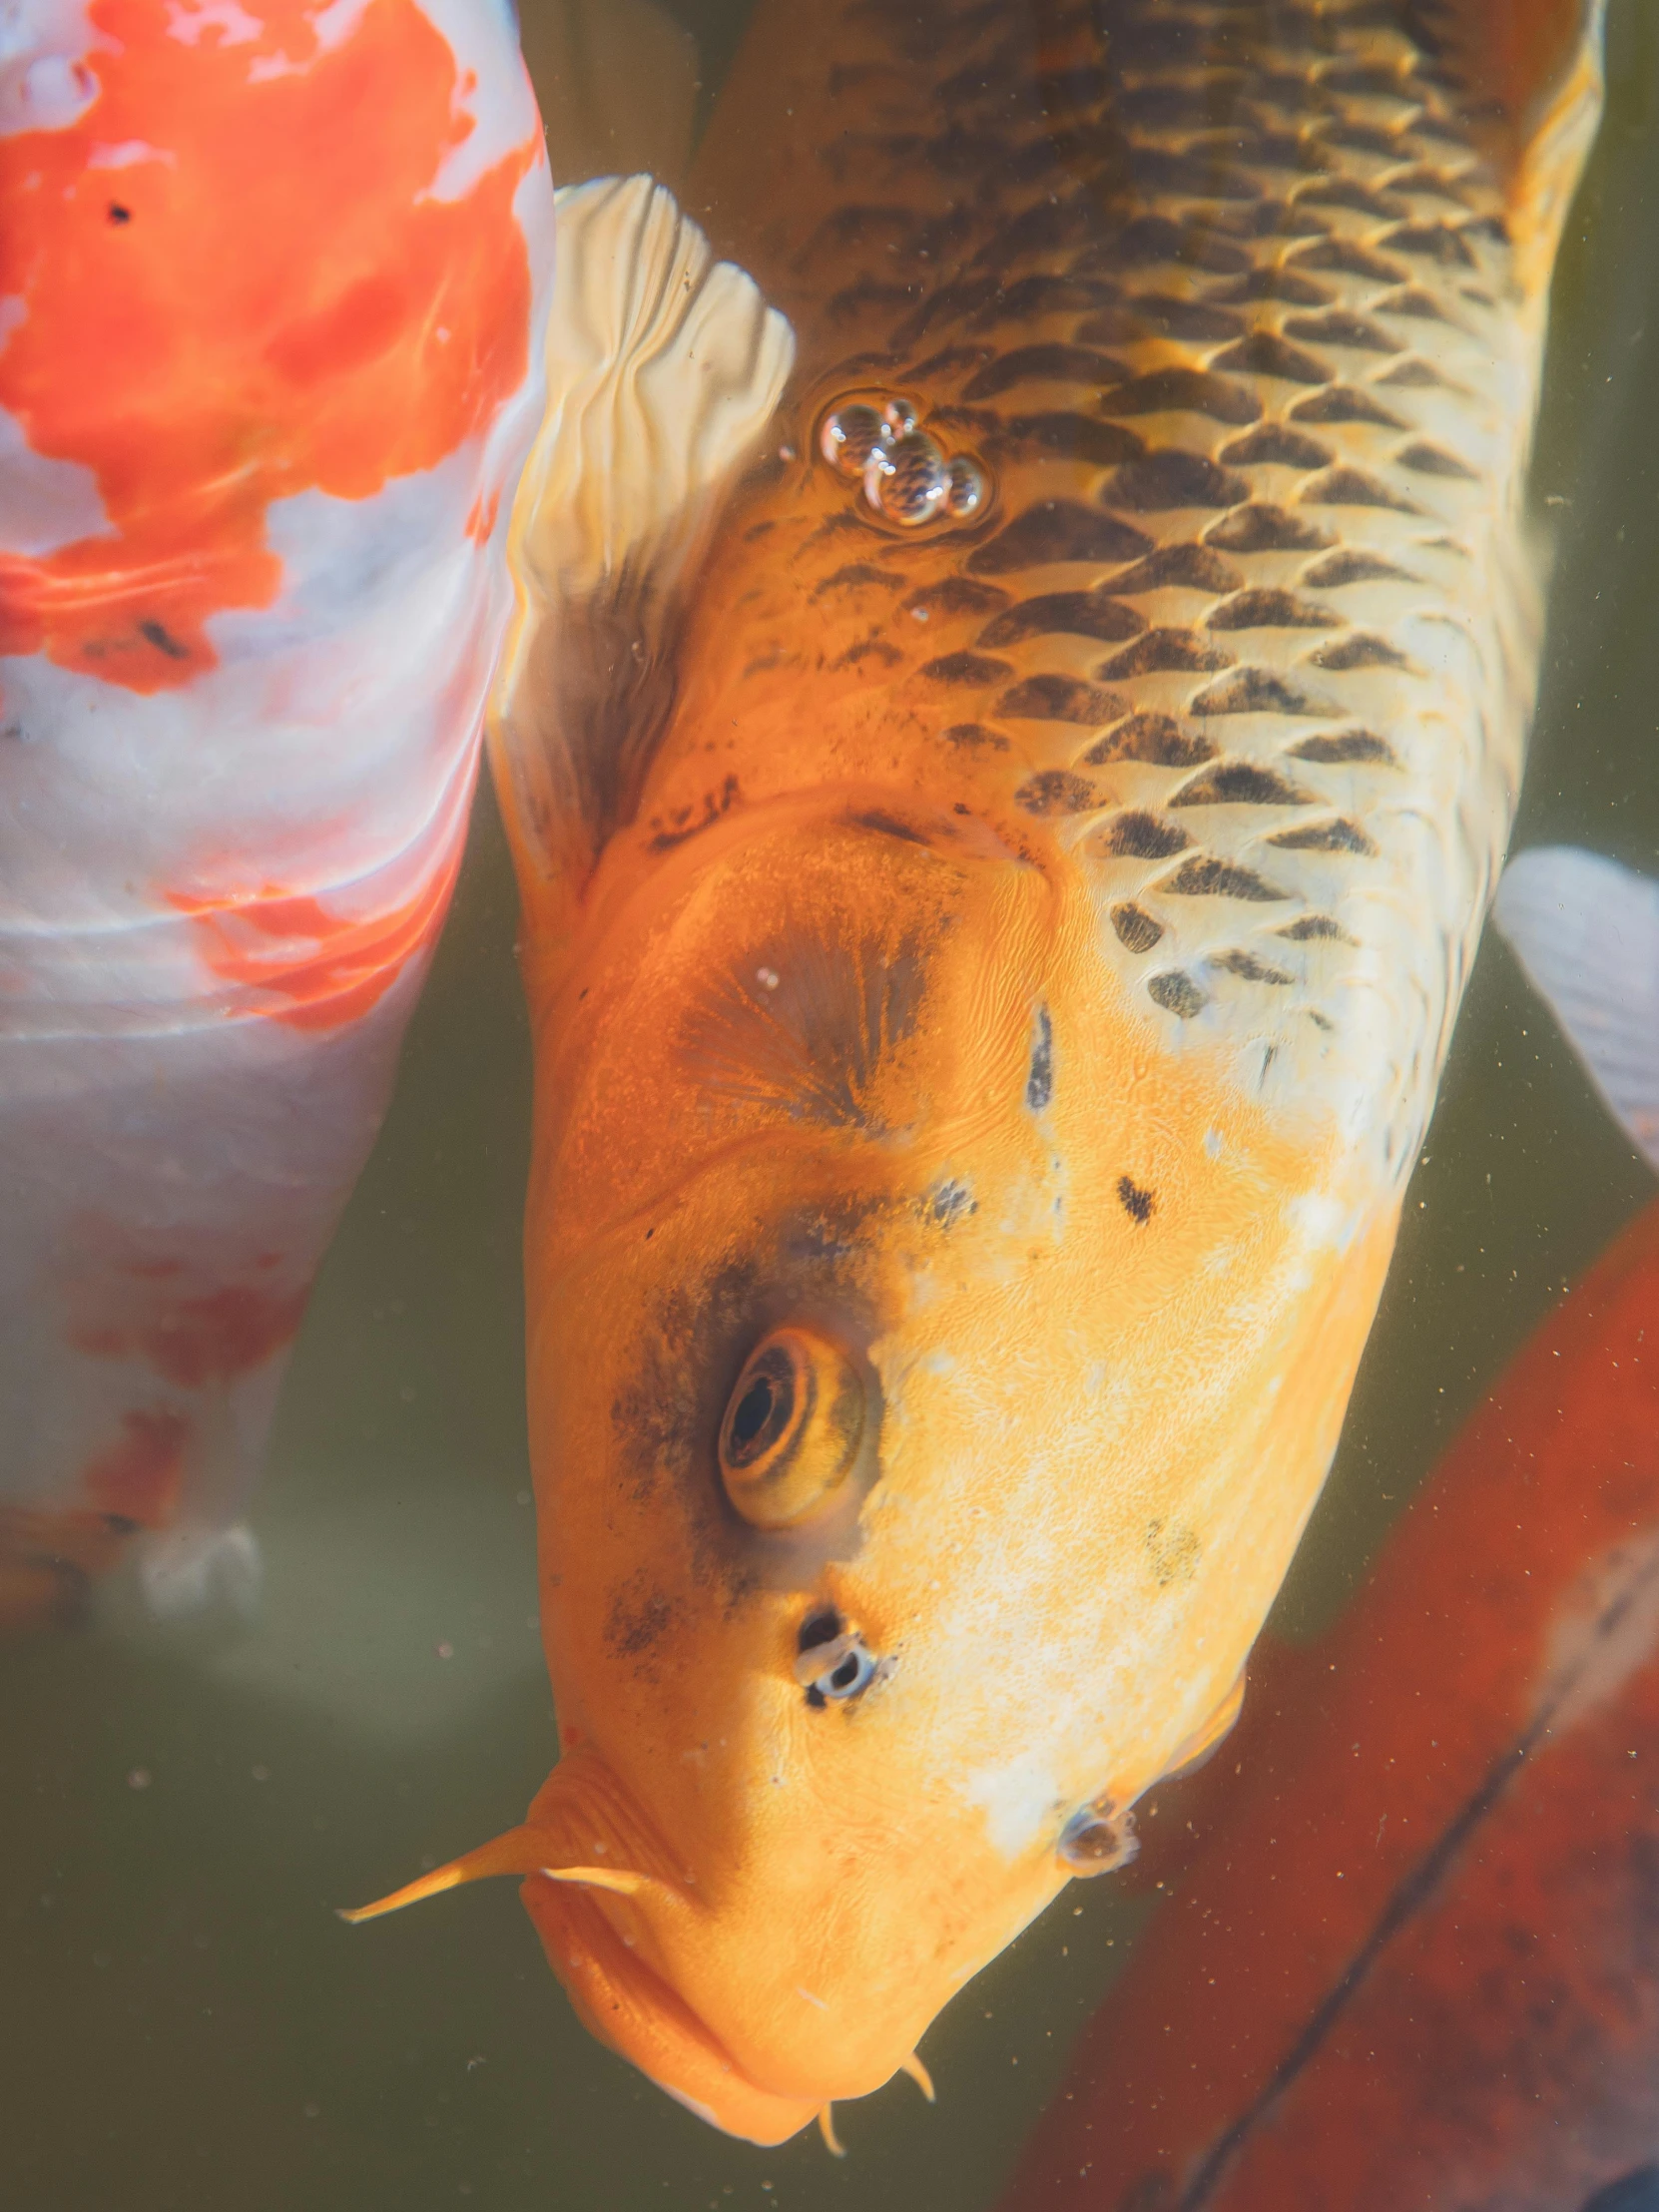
[[1192, 289]]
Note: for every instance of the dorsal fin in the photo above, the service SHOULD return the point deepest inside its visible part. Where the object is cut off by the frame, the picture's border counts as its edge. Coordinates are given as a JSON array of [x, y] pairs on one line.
[[1587, 933], [663, 369]]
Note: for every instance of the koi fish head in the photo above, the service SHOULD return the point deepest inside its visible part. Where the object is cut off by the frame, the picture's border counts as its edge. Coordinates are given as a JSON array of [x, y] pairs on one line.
[[902, 1346]]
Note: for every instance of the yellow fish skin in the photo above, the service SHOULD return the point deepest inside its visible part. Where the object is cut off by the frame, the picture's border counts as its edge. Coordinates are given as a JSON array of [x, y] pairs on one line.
[[992, 934]]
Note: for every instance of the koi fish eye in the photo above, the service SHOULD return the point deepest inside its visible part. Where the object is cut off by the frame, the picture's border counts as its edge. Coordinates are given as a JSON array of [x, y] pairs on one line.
[[791, 1428], [1098, 1838]]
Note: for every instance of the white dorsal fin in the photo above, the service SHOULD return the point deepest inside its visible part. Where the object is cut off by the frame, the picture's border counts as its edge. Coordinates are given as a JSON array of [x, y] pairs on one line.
[[664, 367], [1587, 933]]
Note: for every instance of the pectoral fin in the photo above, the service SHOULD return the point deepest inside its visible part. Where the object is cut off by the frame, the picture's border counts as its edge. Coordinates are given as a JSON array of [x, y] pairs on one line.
[[664, 367], [1587, 933]]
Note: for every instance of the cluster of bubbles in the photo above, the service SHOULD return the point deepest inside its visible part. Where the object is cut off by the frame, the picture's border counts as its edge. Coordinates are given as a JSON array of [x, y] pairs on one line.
[[905, 472]]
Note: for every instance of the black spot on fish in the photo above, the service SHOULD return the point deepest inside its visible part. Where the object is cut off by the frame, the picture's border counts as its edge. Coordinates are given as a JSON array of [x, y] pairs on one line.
[[1039, 1082], [1053, 363], [1250, 969], [1339, 327], [950, 1202], [888, 826], [975, 737], [1240, 784], [856, 577], [1159, 740], [1421, 306], [1342, 404], [956, 595], [1142, 836], [1345, 746], [1308, 928], [1205, 877], [1080, 614], [1180, 568], [119, 214], [1060, 698], [638, 1619], [1434, 460], [964, 667], [1055, 791], [1263, 353], [1171, 479], [1266, 609], [1326, 837], [1059, 530], [1273, 446], [1136, 929], [1178, 994], [1139, 1205], [154, 633], [1262, 528], [1162, 649], [1184, 392], [1412, 372]]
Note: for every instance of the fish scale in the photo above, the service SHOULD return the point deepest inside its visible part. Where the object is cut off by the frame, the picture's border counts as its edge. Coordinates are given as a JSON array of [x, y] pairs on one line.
[[1227, 302]]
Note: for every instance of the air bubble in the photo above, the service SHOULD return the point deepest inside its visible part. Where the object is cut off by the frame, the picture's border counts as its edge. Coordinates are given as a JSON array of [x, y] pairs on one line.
[[965, 488], [907, 482], [850, 435]]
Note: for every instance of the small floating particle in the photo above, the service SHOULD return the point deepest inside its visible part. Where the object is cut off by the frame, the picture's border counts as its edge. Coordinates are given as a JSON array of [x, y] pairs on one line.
[[138, 1778], [446, 1651]]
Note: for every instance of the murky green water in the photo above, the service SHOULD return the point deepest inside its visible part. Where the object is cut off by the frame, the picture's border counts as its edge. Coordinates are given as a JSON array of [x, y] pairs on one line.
[[188, 2024]]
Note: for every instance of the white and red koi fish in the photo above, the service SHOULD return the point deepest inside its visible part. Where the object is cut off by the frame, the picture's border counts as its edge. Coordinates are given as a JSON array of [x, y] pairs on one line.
[[271, 281]]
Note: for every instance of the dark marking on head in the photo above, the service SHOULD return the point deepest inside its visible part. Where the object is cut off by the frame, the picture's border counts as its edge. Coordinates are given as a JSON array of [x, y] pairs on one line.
[[1171, 479], [1142, 836], [1056, 790], [1269, 609], [1240, 784], [1263, 353], [860, 573], [1161, 651], [1343, 403], [888, 826], [964, 667], [1326, 837], [157, 635], [1177, 994], [1184, 392], [1079, 614], [1139, 1205], [1363, 649], [1263, 528], [1180, 568], [1050, 363], [1060, 698], [1255, 691], [637, 1620], [1159, 740], [1273, 446], [1205, 877], [1174, 1550], [975, 737], [1351, 487], [1039, 1082], [685, 823], [950, 1202], [1344, 567], [1059, 530], [1136, 929]]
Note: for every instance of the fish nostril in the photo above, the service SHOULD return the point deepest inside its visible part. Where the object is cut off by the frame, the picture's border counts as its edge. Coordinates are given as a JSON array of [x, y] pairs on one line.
[[1098, 1838], [820, 1627]]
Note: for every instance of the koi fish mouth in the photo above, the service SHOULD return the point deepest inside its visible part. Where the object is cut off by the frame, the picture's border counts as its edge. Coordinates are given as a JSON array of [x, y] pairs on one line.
[[627, 2006]]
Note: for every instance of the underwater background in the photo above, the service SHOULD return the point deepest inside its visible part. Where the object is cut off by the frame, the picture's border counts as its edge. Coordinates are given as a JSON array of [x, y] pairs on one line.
[[190, 2026]]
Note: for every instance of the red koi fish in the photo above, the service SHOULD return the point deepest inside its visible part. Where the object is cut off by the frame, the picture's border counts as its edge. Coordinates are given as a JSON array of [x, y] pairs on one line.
[[1419, 1961], [272, 277]]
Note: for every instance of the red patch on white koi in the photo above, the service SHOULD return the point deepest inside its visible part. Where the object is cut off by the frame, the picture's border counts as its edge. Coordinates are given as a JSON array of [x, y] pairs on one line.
[[272, 304], [140, 1478], [193, 1341]]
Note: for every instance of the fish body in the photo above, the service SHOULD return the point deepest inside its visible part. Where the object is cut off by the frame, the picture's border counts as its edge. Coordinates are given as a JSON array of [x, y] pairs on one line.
[[993, 918], [274, 278], [1414, 1962]]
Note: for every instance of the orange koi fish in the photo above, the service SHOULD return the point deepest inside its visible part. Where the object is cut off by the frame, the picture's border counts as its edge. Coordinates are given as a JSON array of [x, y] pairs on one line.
[[1415, 1964], [998, 871], [271, 279]]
